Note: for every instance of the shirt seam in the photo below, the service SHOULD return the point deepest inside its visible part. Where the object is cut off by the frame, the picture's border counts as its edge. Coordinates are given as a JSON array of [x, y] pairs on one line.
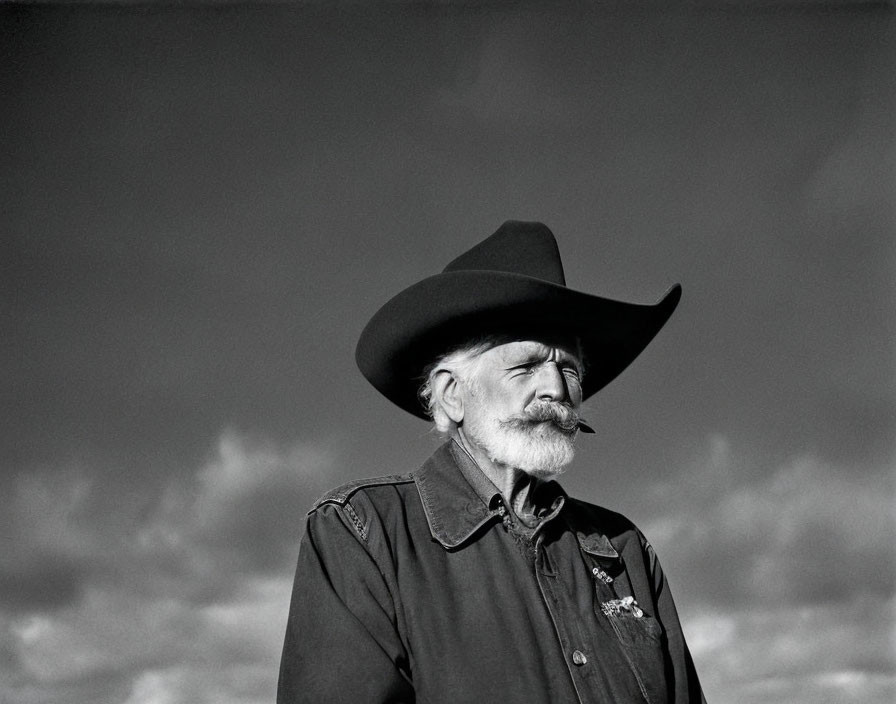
[[356, 520]]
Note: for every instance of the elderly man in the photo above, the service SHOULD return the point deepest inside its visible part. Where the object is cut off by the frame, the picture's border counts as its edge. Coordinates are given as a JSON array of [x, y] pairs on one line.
[[475, 578]]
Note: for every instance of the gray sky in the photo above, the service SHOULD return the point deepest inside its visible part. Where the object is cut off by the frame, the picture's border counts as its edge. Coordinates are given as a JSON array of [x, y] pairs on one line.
[[202, 207]]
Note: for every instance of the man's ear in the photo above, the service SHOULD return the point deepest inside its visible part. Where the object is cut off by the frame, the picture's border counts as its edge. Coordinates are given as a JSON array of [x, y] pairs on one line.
[[446, 388]]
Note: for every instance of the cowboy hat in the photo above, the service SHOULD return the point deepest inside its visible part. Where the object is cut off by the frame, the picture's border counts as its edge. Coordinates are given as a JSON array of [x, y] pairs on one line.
[[511, 283]]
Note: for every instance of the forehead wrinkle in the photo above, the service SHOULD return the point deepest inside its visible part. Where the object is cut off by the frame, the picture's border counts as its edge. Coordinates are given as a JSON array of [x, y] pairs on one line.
[[511, 352]]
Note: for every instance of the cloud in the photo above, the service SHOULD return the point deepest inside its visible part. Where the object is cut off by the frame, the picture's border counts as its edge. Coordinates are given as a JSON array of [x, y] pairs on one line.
[[246, 634], [163, 649], [809, 532], [181, 600], [786, 583], [246, 506], [49, 549], [801, 655]]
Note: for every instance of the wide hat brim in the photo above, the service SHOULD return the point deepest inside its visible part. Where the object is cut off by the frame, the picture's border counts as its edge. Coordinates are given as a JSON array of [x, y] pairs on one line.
[[446, 310]]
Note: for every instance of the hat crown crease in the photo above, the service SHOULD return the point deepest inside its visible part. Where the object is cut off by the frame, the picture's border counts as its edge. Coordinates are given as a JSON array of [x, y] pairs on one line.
[[526, 248]]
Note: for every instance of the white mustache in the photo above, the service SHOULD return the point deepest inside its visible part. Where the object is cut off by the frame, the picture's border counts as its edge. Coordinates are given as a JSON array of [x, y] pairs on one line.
[[538, 411]]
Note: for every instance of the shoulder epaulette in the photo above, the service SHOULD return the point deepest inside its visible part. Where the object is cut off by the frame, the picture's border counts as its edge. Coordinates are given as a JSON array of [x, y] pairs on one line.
[[343, 493]]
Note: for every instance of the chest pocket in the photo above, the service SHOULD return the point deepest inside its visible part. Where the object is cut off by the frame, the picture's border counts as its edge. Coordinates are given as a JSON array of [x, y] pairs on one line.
[[636, 631], [640, 635]]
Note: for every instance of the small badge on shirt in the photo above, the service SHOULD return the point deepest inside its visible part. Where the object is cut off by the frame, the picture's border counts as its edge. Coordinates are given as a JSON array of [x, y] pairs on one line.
[[627, 606], [601, 575]]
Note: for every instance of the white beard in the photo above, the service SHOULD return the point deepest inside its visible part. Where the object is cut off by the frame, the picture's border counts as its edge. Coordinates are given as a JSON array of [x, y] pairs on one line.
[[540, 450]]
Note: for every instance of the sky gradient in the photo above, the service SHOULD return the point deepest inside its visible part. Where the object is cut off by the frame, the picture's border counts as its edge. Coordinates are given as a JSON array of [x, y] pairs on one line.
[[202, 206]]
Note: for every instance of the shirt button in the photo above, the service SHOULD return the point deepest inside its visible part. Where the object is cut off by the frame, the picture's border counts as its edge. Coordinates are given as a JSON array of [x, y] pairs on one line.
[[578, 657]]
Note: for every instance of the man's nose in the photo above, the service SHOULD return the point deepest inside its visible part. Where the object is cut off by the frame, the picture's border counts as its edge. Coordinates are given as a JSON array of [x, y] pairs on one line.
[[551, 384]]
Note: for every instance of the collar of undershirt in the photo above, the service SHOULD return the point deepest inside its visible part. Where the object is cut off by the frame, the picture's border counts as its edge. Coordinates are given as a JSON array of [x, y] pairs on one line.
[[547, 496]]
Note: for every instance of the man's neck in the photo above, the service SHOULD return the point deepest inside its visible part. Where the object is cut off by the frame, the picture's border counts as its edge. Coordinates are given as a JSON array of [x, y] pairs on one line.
[[515, 485]]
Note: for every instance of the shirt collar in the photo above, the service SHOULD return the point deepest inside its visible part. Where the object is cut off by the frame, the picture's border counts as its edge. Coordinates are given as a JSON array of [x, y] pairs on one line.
[[453, 509], [483, 486], [459, 499]]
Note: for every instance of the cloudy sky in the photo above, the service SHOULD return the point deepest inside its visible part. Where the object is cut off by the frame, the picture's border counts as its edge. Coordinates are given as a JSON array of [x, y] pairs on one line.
[[201, 207]]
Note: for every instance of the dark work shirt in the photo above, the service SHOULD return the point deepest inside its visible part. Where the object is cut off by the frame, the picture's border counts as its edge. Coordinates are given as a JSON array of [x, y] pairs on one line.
[[417, 588]]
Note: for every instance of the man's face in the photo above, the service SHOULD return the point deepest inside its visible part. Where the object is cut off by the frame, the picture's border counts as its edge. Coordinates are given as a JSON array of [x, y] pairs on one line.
[[520, 405]]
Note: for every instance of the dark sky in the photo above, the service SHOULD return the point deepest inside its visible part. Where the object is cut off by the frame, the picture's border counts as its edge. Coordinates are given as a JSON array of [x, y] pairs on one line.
[[201, 206]]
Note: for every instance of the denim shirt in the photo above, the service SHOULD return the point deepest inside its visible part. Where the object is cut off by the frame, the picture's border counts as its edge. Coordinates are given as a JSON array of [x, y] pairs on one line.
[[415, 588]]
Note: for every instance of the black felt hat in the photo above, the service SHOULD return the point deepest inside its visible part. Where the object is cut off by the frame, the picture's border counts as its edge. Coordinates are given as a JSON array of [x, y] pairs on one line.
[[511, 283]]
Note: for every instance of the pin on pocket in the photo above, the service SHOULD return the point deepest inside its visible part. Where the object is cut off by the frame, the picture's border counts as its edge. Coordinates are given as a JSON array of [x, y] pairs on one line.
[[621, 607]]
